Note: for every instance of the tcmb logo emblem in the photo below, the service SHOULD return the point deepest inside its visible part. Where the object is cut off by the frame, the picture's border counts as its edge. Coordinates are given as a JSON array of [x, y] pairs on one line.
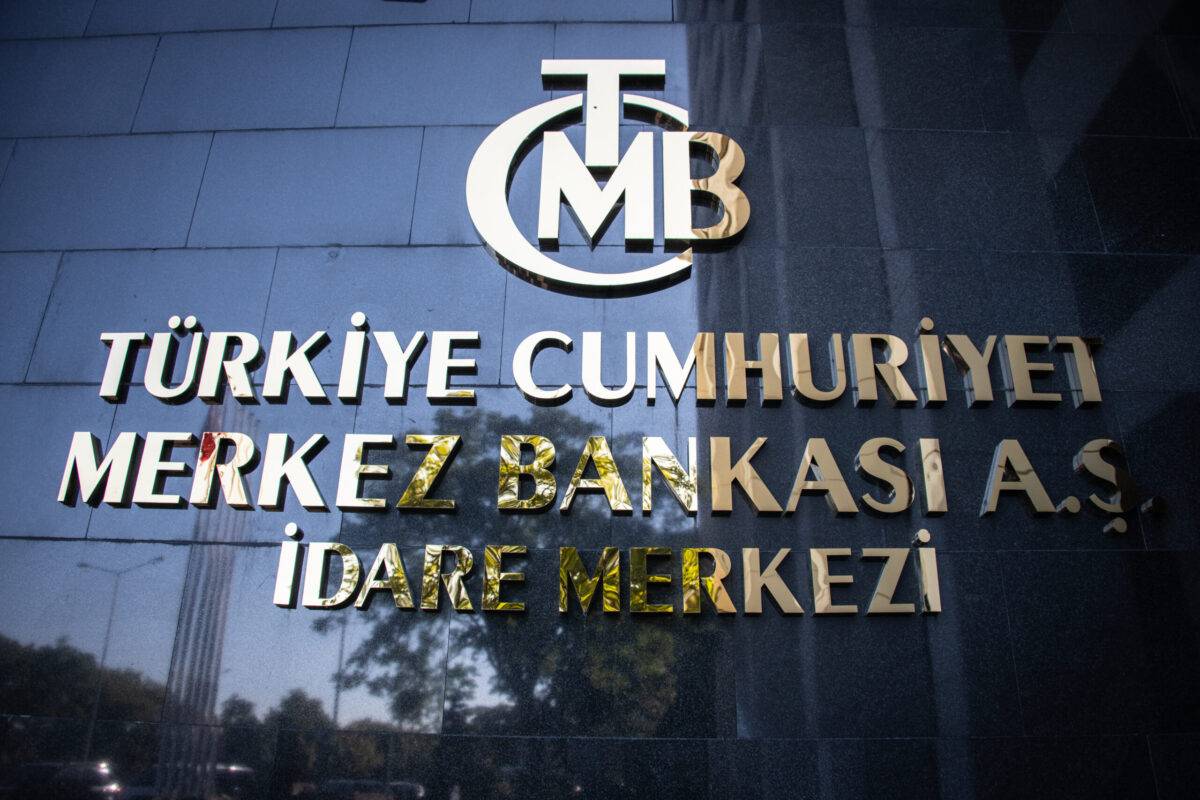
[[630, 178]]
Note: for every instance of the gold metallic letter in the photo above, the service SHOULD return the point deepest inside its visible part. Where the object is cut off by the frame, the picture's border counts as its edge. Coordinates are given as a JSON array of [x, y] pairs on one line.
[[572, 573], [609, 480], [692, 580], [511, 470], [826, 478], [493, 576], [1012, 472], [432, 575], [393, 578], [639, 581], [823, 581], [683, 484], [889, 578], [441, 450], [722, 476]]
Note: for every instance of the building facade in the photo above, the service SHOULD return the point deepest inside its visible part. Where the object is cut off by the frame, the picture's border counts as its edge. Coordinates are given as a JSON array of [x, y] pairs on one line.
[[943, 329]]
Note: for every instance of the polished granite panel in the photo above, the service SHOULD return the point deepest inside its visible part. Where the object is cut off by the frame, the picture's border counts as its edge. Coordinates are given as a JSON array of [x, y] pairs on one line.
[[1140, 306], [307, 188], [89, 628], [1075, 84], [489, 71], [1037, 15], [139, 291], [39, 421], [20, 20], [72, 86], [259, 79], [1000, 166], [1185, 58], [808, 76], [1123, 659], [159, 16], [981, 191], [1159, 430], [28, 278], [306, 13], [828, 12], [123, 191], [403, 290], [571, 11]]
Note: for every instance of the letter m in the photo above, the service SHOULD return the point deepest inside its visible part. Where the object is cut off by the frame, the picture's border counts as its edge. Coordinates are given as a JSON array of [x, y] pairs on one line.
[[564, 177], [85, 471]]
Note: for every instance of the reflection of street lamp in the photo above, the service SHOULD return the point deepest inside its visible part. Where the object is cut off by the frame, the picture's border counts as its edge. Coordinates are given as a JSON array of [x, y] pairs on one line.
[[116, 574]]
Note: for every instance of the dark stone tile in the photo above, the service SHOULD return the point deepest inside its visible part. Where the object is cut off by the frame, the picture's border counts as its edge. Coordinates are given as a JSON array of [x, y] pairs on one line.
[[128, 291], [807, 75], [319, 289], [1175, 16], [19, 20], [1110, 16], [980, 192], [807, 187], [1175, 765], [1038, 15], [149, 16], [725, 75], [1159, 430], [306, 13], [78, 633], [39, 422], [1185, 60], [954, 667], [27, 740], [72, 87], [126, 191], [259, 79], [1144, 190], [1074, 84], [1139, 306], [828, 12], [911, 78], [1122, 660], [490, 72], [308, 188], [573, 11], [28, 278]]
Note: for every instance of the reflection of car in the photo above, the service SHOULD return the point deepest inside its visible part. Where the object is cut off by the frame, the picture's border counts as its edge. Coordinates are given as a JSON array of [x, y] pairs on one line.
[[59, 780], [356, 790], [229, 782], [407, 790]]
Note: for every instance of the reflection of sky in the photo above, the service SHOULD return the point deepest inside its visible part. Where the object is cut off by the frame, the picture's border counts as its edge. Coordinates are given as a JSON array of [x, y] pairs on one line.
[[47, 597]]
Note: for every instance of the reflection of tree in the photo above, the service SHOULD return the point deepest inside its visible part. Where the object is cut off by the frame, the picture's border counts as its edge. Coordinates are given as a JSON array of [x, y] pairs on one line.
[[60, 681], [530, 673]]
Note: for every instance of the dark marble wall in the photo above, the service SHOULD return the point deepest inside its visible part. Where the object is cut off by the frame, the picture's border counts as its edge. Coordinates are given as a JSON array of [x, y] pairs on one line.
[[1003, 166]]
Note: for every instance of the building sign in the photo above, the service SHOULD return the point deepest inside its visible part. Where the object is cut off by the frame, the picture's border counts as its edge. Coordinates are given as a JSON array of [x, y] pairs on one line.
[[884, 476], [630, 178]]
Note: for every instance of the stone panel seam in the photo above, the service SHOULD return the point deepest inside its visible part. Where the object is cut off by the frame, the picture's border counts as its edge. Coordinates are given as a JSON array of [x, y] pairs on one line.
[[91, 14], [42, 321], [262, 328], [337, 111], [412, 217], [12, 156], [199, 189], [145, 83], [1173, 72], [1012, 652]]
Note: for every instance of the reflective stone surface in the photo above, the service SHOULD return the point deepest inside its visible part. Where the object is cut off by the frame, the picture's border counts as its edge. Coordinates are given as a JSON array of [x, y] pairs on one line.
[[999, 166]]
